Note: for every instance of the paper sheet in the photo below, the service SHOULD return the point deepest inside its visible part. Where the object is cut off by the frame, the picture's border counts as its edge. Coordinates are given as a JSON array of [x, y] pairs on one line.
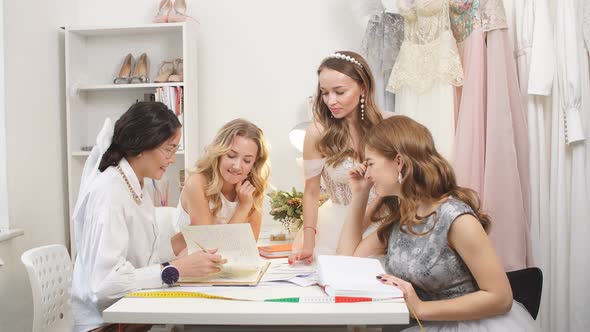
[[234, 242]]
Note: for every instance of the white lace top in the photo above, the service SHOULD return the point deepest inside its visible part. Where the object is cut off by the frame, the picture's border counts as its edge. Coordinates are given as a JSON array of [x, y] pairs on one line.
[[227, 210], [335, 178], [429, 51]]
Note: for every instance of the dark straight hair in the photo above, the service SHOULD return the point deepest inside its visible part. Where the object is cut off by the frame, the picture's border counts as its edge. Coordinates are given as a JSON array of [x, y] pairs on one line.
[[145, 126]]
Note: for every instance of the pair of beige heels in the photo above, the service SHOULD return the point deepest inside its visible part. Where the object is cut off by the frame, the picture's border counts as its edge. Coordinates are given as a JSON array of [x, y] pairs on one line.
[[170, 71], [130, 74]]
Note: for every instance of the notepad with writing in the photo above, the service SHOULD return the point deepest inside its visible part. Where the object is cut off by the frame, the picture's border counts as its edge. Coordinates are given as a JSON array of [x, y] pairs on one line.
[[234, 242], [353, 276]]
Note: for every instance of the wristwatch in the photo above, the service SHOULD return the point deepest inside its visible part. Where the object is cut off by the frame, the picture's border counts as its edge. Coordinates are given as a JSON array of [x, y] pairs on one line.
[[170, 274]]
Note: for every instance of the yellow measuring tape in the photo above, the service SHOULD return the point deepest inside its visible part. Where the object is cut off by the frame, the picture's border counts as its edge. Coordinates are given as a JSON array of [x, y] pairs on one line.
[[180, 294]]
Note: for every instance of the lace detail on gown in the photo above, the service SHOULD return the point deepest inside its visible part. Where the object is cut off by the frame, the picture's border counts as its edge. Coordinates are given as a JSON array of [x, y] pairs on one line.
[[383, 39], [336, 181], [380, 46], [429, 51], [464, 15], [493, 15], [335, 178]]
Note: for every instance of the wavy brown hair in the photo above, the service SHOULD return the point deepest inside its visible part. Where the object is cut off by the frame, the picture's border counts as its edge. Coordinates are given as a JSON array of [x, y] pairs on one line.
[[426, 175], [221, 145], [334, 143]]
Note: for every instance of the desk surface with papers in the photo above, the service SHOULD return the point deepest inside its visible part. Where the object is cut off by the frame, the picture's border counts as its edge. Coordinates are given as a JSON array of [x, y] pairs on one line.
[[255, 311]]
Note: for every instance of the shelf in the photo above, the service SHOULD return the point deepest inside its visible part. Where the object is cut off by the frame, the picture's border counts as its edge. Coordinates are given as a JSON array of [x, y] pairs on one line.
[[105, 87], [93, 57], [81, 153], [129, 29]]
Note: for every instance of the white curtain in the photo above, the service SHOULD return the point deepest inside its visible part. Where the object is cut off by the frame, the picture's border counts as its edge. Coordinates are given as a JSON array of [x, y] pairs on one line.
[[3, 177]]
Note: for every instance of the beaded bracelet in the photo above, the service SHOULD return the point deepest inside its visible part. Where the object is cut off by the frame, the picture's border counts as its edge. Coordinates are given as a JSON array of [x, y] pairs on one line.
[[314, 230]]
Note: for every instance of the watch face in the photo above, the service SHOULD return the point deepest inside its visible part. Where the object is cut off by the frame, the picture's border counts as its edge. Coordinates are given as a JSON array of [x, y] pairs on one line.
[[170, 275]]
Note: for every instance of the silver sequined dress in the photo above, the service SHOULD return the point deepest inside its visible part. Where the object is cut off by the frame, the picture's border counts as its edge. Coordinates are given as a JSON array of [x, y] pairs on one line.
[[437, 272]]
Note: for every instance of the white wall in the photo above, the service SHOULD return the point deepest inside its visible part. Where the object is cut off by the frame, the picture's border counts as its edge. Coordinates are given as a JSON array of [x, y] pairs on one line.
[[35, 122], [3, 181], [257, 60]]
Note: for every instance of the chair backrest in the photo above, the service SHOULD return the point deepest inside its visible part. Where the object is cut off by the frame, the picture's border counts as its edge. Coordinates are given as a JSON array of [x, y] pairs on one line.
[[165, 217], [527, 286], [50, 274]]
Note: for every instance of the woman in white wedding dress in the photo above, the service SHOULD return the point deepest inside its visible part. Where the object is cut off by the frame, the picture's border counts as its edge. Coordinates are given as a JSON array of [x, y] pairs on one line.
[[344, 111]]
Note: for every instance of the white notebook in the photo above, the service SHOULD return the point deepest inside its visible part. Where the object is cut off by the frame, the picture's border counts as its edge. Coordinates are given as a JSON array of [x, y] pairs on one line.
[[353, 276]]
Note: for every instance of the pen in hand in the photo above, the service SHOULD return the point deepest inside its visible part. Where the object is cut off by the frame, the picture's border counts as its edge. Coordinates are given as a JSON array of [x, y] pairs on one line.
[[205, 251], [200, 246]]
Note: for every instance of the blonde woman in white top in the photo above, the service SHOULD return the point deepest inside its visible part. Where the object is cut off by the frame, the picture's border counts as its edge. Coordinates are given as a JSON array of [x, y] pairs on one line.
[[120, 248], [229, 182]]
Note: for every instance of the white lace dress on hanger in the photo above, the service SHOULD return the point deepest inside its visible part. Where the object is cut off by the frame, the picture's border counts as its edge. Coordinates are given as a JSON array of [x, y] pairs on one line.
[[427, 69], [332, 214]]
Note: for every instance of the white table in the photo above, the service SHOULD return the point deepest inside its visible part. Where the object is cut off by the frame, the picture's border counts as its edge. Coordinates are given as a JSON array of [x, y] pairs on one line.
[[193, 311]]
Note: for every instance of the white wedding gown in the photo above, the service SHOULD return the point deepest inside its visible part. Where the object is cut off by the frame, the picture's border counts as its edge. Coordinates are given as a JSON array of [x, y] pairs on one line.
[[331, 214]]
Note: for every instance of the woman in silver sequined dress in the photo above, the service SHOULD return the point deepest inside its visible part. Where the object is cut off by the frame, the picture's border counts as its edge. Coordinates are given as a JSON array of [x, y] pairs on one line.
[[344, 110], [433, 234]]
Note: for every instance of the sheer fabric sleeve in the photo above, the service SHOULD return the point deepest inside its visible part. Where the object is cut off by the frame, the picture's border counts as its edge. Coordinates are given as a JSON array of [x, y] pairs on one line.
[[313, 167]]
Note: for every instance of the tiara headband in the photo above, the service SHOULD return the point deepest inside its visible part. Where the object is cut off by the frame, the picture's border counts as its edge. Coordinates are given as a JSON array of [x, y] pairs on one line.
[[344, 57]]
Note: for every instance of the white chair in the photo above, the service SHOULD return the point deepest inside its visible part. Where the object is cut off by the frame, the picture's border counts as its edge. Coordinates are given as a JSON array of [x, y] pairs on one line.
[[50, 273], [165, 216]]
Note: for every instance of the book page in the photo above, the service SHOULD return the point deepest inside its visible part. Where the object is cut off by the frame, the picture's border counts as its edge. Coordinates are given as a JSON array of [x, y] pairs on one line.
[[234, 242], [353, 275]]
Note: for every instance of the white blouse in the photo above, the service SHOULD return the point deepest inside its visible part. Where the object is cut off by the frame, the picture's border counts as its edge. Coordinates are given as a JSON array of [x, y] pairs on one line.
[[119, 246]]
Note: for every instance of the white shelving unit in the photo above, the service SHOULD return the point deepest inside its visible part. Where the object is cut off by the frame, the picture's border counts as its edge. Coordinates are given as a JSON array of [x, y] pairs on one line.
[[93, 58]]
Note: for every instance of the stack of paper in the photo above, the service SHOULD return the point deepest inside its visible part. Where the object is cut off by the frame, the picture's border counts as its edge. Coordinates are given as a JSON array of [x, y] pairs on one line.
[[298, 273]]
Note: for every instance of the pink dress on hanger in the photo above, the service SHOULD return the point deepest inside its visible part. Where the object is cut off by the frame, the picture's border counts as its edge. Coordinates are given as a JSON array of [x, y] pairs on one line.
[[470, 110], [506, 178]]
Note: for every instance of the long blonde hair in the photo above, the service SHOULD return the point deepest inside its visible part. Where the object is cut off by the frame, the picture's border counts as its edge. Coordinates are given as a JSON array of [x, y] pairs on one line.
[[334, 143], [426, 175], [208, 165]]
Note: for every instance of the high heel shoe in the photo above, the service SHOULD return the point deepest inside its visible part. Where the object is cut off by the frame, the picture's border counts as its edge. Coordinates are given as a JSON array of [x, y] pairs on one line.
[[178, 14], [140, 73], [125, 71], [178, 74], [166, 69], [163, 11]]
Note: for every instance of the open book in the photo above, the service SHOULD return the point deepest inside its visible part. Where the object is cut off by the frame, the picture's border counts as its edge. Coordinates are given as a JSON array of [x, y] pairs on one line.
[[235, 242], [353, 276]]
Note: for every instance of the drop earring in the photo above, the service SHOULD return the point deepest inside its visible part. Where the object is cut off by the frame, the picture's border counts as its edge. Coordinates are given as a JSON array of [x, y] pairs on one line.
[[399, 177], [362, 107]]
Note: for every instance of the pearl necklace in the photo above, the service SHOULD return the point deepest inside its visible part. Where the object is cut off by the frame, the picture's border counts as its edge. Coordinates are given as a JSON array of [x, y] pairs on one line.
[[136, 198]]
